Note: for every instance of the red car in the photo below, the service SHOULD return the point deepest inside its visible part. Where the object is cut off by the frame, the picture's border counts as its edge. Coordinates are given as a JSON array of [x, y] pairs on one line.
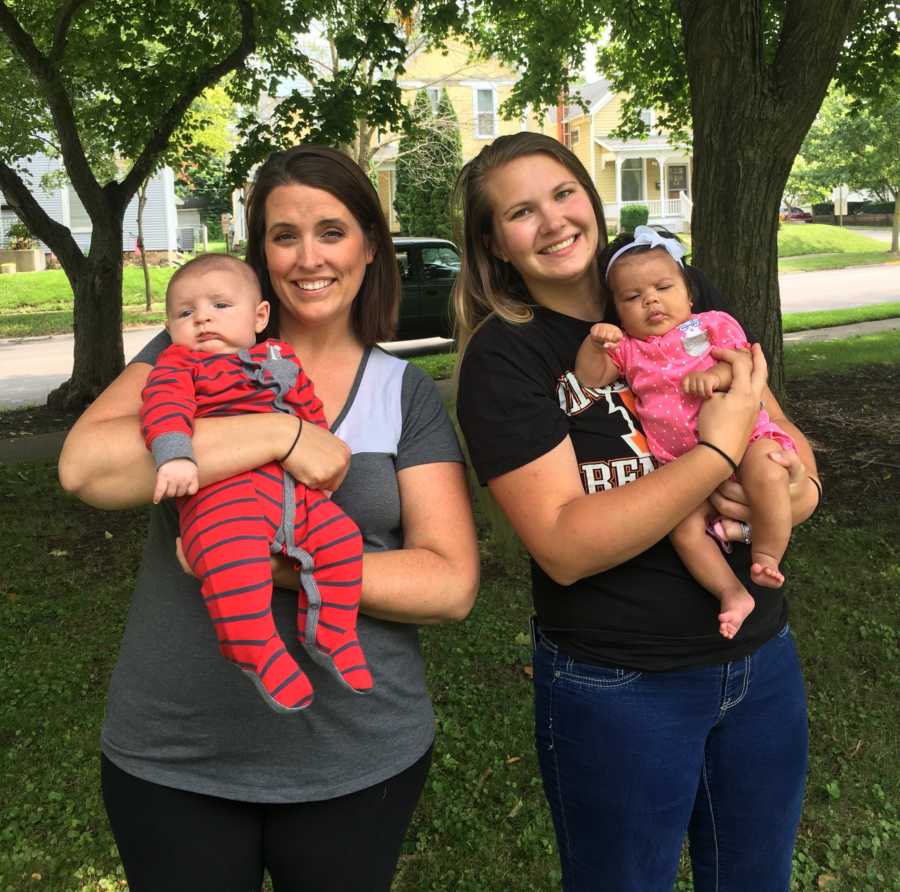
[[795, 215]]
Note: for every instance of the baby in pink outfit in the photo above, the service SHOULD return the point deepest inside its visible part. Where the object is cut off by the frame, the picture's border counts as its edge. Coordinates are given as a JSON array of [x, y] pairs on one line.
[[664, 354]]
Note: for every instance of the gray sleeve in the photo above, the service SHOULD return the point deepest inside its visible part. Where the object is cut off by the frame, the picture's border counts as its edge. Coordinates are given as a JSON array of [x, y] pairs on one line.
[[428, 435], [149, 353], [168, 447]]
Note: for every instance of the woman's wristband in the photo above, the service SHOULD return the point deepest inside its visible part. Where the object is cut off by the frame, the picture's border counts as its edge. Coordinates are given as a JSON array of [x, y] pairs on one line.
[[818, 487], [721, 452], [296, 438]]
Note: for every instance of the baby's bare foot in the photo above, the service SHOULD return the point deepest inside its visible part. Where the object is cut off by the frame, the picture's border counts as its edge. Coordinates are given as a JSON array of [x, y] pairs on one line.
[[764, 571], [736, 607]]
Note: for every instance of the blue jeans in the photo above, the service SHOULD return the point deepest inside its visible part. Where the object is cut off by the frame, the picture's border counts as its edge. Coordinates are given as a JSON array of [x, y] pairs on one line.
[[632, 761]]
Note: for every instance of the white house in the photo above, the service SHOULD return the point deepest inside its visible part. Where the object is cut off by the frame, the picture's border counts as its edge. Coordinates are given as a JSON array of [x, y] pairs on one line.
[[63, 205]]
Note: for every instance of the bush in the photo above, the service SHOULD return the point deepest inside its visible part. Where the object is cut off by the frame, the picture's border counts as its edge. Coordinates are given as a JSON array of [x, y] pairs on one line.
[[633, 215], [20, 237], [871, 207], [823, 209]]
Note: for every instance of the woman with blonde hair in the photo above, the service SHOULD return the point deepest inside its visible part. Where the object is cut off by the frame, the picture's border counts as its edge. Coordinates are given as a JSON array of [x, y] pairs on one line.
[[649, 724]]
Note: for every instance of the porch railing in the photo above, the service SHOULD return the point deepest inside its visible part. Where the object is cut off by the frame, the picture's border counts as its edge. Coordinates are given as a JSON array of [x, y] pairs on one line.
[[665, 207]]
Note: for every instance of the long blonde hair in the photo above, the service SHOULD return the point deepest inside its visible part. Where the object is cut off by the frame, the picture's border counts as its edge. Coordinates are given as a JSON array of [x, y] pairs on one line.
[[486, 284]]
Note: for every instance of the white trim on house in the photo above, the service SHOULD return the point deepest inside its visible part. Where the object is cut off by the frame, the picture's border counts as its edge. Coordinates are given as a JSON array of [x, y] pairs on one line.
[[484, 86]]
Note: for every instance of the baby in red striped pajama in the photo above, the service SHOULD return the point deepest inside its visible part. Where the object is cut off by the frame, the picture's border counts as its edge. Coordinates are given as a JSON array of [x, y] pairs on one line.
[[214, 311]]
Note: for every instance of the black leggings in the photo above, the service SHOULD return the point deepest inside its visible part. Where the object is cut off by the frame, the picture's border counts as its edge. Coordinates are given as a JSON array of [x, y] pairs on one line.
[[175, 841]]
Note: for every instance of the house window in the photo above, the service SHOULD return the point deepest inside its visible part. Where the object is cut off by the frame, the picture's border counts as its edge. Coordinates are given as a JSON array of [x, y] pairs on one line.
[[485, 113], [633, 179], [571, 135], [647, 116], [434, 94], [79, 221]]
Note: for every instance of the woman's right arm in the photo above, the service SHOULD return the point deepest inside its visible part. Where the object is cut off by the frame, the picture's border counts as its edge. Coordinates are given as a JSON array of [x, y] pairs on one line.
[[572, 534], [105, 463]]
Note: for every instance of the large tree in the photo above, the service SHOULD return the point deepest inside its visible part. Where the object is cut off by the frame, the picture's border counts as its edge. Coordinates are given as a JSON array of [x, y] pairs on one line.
[[857, 144], [91, 80], [745, 76]]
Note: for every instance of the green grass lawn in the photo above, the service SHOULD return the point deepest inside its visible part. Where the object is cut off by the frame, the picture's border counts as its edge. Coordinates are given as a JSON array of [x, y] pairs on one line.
[[791, 322], [483, 826], [814, 262], [818, 238]]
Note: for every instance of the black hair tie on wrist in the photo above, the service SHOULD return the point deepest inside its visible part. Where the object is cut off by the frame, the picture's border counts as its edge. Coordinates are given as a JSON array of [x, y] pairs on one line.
[[818, 487], [299, 428], [721, 452]]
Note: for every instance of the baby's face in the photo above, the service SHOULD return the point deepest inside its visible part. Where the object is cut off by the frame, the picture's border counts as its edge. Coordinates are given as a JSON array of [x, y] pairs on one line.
[[650, 293], [215, 310]]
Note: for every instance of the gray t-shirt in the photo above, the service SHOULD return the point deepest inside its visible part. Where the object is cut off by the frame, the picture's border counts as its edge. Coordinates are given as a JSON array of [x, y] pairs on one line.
[[180, 715]]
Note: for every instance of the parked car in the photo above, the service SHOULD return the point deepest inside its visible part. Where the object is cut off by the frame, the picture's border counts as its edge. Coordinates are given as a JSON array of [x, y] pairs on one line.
[[428, 268], [795, 215]]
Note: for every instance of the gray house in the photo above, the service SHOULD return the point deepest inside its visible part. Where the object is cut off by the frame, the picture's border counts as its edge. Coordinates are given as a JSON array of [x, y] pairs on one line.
[[62, 204]]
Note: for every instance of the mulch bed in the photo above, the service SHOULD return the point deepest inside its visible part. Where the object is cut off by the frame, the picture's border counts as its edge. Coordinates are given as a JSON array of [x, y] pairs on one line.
[[853, 422], [852, 419]]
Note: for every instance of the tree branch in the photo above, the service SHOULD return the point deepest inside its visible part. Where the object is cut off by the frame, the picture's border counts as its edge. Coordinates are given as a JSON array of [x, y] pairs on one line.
[[61, 30], [47, 75], [811, 39], [51, 233], [159, 139]]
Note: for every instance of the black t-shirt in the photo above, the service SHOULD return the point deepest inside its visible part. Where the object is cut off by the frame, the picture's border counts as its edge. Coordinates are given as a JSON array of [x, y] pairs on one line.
[[518, 399]]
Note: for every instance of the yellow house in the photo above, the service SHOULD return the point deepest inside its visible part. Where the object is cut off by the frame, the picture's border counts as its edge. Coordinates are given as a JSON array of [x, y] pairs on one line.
[[476, 89], [650, 171]]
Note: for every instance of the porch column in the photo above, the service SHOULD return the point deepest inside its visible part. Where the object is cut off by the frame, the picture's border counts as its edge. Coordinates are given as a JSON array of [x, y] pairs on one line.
[[618, 184], [663, 190]]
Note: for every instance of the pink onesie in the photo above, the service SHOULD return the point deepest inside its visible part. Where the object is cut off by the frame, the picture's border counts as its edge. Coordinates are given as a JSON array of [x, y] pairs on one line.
[[654, 368]]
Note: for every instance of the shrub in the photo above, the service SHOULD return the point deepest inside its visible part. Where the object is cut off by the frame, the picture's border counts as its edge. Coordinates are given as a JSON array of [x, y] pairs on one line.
[[633, 215], [20, 237]]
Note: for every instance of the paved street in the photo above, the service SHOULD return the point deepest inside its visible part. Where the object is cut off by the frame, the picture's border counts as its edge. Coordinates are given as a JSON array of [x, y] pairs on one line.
[[834, 289], [32, 367]]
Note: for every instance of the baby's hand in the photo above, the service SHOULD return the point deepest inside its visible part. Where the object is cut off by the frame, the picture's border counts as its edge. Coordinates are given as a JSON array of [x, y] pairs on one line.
[[175, 478], [700, 384], [605, 335]]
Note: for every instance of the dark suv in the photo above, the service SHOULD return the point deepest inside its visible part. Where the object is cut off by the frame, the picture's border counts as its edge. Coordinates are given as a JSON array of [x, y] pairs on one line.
[[428, 268]]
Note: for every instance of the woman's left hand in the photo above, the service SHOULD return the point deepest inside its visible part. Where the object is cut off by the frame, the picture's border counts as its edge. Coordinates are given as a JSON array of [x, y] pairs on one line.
[[730, 500]]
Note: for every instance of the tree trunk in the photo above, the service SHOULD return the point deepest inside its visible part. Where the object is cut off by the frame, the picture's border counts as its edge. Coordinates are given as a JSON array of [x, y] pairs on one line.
[[895, 229], [751, 109], [98, 354], [142, 203]]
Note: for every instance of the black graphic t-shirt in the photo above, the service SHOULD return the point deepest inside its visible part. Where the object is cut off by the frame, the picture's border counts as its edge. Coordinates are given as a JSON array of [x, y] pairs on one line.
[[518, 399]]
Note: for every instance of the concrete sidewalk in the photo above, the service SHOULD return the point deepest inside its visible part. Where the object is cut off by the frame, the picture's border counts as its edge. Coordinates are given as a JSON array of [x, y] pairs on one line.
[[46, 447]]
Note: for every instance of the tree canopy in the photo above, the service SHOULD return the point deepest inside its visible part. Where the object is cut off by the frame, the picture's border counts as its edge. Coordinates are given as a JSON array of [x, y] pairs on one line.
[[119, 79], [855, 143]]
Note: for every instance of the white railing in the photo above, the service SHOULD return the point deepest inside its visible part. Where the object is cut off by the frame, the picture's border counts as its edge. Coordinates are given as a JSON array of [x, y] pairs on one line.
[[666, 207], [665, 210]]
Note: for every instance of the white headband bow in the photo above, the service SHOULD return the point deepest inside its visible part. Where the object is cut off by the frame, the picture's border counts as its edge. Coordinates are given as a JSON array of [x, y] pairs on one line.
[[646, 235]]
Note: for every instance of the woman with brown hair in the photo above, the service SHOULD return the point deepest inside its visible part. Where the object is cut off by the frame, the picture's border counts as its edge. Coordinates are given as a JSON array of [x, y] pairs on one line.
[[649, 724], [206, 788]]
